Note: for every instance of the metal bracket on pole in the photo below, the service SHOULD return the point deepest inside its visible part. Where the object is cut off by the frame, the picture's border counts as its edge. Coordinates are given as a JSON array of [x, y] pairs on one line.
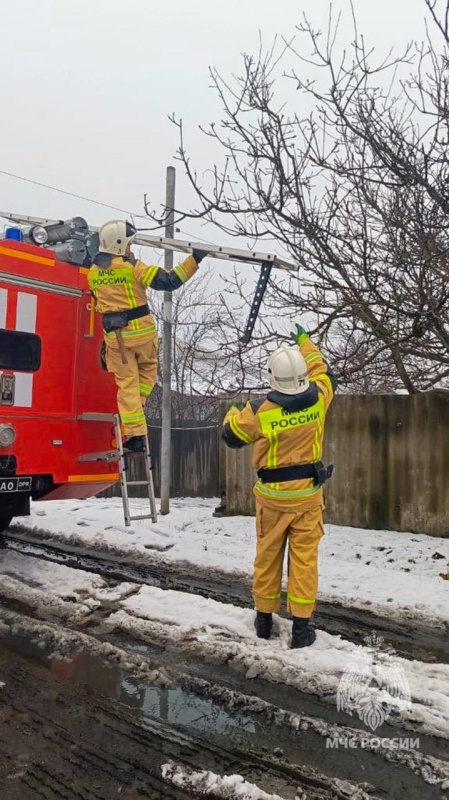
[[262, 284]]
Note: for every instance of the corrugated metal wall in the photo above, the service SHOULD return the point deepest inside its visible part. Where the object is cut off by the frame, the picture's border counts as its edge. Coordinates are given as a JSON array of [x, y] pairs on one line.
[[391, 457]]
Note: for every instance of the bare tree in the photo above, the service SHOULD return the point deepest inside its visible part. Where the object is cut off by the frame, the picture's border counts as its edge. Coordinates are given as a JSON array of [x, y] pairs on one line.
[[207, 358], [351, 180]]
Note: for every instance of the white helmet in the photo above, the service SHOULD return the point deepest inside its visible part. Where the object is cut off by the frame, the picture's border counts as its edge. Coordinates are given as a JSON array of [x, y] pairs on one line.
[[115, 236], [287, 370]]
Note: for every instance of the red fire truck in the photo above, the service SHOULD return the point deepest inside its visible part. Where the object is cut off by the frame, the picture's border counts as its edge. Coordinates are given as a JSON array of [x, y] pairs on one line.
[[51, 374], [60, 434]]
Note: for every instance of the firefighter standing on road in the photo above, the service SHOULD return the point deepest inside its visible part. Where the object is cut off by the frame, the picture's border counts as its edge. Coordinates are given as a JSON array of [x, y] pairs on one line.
[[119, 284], [286, 431]]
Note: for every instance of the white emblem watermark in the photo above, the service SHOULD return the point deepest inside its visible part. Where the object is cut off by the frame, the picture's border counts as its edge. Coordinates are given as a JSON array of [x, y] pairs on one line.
[[372, 686]]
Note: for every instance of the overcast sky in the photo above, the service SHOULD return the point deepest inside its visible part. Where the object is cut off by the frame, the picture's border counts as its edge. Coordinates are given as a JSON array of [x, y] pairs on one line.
[[87, 86]]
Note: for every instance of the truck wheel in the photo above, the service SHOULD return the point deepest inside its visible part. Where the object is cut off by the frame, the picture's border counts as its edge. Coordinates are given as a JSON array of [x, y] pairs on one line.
[[5, 522]]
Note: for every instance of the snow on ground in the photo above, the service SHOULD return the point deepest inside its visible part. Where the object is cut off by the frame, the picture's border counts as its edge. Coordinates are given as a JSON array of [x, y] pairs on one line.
[[384, 570], [228, 787], [235, 787], [357, 566], [63, 581], [412, 690], [54, 587]]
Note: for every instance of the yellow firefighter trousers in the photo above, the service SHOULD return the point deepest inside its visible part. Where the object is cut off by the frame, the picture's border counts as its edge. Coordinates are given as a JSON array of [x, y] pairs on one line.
[[135, 381], [303, 530]]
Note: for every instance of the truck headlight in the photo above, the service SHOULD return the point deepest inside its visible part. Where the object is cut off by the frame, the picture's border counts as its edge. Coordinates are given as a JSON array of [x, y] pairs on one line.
[[7, 435]]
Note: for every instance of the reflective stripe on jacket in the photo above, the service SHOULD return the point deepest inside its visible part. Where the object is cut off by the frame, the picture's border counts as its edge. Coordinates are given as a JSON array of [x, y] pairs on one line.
[[122, 285]]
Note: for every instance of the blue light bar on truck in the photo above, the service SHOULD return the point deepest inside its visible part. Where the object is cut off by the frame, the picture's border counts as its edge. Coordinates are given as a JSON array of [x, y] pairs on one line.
[[14, 234]]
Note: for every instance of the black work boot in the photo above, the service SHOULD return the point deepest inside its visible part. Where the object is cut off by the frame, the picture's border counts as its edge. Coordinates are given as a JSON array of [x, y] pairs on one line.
[[135, 444], [303, 634], [263, 624], [220, 511]]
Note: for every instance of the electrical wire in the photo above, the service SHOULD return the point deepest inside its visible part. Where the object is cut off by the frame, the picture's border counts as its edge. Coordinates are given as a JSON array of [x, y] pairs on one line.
[[95, 202], [194, 237], [200, 428], [71, 194]]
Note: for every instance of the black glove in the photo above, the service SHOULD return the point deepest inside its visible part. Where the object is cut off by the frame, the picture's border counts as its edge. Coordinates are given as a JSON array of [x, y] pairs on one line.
[[199, 255]]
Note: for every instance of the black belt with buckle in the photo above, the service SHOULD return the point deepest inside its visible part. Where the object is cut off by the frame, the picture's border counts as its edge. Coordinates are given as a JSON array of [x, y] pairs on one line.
[[115, 320], [297, 472]]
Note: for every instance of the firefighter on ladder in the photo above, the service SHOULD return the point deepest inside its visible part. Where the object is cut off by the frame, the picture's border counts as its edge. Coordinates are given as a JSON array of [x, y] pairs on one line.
[[286, 430], [119, 284]]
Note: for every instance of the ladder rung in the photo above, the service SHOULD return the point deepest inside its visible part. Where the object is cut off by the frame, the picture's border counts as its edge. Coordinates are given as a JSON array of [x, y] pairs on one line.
[[94, 417], [122, 455]]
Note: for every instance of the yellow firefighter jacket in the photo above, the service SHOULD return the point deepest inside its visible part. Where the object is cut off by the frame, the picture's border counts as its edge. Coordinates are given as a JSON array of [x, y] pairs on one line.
[[286, 430], [122, 285]]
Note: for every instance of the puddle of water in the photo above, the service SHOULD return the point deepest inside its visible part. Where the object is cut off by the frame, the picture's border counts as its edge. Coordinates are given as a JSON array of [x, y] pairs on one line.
[[173, 705], [181, 707]]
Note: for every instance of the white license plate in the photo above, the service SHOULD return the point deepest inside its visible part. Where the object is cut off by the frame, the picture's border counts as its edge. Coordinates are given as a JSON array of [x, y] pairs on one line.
[[15, 485]]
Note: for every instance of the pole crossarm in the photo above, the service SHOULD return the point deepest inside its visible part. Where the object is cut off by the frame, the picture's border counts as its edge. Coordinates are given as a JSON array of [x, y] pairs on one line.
[[179, 245]]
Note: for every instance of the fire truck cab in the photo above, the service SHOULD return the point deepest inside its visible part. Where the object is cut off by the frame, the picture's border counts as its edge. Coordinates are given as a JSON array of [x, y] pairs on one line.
[[51, 373]]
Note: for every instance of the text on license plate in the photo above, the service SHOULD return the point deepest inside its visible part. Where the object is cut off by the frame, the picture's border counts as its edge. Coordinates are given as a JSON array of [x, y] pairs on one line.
[[15, 484]]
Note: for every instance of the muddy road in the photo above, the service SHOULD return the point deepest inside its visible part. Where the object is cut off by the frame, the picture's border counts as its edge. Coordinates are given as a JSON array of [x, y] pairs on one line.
[[93, 717], [78, 727], [410, 638], [91, 710]]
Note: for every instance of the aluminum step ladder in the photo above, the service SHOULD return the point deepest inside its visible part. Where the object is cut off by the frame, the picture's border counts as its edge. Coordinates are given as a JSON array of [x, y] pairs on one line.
[[124, 459]]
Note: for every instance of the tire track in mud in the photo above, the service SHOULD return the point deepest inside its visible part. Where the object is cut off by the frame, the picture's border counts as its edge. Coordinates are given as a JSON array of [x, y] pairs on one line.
[[410, 638], [62, 742], [302, 739]]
